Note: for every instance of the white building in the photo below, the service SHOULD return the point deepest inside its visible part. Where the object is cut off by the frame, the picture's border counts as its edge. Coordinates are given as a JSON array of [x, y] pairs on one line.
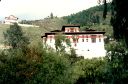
[[10, 19], [89, 43]]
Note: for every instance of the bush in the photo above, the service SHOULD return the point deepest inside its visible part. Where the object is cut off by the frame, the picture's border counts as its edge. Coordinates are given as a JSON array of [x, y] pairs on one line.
[[92, 71], [118, 63], [14, 37], [34, 66]]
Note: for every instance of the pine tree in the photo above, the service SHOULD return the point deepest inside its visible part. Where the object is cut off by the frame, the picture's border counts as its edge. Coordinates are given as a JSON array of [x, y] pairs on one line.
[[14, 37], [51, 16], [119, 19]]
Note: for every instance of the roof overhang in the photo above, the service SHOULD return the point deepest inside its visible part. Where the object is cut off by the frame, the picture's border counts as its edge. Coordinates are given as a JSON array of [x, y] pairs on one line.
[[74, 33]]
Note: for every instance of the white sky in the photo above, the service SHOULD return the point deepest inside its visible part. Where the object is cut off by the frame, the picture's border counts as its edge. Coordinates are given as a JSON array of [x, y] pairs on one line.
[[39, 9]]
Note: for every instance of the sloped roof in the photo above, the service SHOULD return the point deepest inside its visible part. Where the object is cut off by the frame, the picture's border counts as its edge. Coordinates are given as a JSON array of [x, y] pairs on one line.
[[70, 25], [12, 17]]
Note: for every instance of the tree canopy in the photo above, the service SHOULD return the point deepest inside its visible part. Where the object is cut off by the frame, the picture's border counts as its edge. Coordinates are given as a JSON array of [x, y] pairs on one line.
[[14, 37], [90, 16], [119, 18]]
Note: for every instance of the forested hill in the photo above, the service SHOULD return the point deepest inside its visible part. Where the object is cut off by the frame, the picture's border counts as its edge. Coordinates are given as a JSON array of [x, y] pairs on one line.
[[88, 17]]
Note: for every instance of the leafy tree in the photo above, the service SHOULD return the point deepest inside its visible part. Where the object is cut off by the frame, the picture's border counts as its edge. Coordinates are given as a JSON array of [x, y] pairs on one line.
[[63, 46], [118, 56], [34, 66], [117, 60], [61, 42], [14, 37], [51, 16], [119, 18], [93, 71], [88, 17]]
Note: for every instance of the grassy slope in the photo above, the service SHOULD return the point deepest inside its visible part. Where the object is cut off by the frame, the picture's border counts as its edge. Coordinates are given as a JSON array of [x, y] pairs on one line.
[[35, 33], [3, 28]]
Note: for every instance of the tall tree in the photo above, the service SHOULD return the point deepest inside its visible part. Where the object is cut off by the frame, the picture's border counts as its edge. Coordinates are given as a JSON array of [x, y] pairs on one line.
[[119, 19], [118, 56], [14, 37], [51, 16]]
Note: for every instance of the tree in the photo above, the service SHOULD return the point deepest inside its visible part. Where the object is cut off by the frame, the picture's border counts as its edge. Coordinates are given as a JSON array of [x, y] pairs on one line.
[[118, 56], [93, 71], [34, 66], [61, 42], [15, 38], [51, 16], [118, 63], [119, 18]]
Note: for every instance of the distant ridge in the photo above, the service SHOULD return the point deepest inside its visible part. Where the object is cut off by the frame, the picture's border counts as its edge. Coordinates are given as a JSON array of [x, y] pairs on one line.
[[87, 17]]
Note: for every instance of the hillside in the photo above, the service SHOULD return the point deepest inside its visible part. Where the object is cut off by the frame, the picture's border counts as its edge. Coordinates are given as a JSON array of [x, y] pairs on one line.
[[92, 18], [34, 33]]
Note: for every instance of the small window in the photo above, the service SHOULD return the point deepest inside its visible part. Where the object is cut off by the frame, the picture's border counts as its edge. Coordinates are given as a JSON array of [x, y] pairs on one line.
[[71, 29], [74, 40], [82, 38], [77, 40], [93, 38], [75, 45], [99, 38], [86, 39], [68, 30]]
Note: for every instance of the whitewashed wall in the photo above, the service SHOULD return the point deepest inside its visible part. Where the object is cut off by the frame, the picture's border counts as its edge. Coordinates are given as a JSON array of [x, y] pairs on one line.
[[86, 49]]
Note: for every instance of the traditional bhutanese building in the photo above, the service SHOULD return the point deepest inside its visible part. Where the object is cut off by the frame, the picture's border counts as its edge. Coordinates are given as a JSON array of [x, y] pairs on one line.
[[89, 43], [10, 19]]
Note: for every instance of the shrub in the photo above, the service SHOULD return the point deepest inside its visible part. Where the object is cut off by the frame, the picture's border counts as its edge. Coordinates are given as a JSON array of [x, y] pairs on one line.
[[34, 66]]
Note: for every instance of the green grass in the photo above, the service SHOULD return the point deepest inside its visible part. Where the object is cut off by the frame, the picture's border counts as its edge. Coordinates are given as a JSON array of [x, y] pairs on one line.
[[33, 33], [3, 28]]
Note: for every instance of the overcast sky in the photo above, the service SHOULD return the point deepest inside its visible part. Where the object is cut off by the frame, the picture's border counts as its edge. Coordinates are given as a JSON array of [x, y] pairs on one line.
[[39, 9]]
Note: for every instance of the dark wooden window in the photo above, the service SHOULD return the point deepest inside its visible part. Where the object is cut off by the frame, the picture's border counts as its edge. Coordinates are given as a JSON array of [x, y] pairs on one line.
[[68, 30], [75, 44], [71, 29], [86, 38], [74, 40], [77, 40], [99, 38], [82, 38], [93, 38]]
